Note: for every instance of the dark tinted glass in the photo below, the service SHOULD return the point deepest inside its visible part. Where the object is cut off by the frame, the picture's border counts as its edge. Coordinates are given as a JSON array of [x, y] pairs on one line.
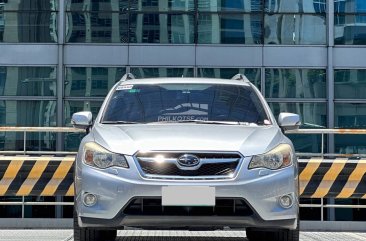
[[350, 83], [295, 29], [185, 102], [96, 5], [27, 113], [230, 28], [253, 75], [10, 211], [40, 211], [161, 72], [350, 115], [296, 6], [350, 144], [350, 6], [295, 83], [349, 29], [91, 81], [162, 28], [72, 140], [28, 27], [97, 27], [313, 115], [162, 6], [230, 5], [28, 81], [72, 107], [25, 5]]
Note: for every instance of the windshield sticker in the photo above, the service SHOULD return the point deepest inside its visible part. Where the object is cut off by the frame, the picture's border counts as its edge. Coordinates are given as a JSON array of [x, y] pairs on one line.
[[170, 118], [124, 87], [134, 91]]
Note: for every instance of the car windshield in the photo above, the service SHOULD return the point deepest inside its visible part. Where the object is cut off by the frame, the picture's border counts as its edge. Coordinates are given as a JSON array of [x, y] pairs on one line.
[[146, 103]]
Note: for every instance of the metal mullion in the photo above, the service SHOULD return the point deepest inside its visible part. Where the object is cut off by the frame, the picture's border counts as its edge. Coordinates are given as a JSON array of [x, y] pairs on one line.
[[84, 98], [28, 98], [294, 100], [350, 101]]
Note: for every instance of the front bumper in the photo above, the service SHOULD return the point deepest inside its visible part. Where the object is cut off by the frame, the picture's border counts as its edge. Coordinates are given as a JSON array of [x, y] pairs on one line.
[[115, 187]]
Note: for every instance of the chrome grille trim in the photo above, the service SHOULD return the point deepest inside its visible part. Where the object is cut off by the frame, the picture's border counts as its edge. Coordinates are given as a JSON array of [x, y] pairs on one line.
[[203, 161]]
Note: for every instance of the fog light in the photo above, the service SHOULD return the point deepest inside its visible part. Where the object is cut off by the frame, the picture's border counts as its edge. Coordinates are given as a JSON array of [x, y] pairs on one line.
[[286, 201], [90, 199]]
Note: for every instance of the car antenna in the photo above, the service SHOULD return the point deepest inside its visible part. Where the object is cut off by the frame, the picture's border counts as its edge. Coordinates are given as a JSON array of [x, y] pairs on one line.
[[240, 77], [127, 76]]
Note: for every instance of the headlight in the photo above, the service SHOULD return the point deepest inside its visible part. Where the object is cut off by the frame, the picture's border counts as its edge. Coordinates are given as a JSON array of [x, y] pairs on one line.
[[97, 156], [279, 157]]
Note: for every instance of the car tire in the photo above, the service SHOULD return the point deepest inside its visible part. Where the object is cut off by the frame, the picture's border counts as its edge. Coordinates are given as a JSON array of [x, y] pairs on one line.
[[280, 235], [92, 234]]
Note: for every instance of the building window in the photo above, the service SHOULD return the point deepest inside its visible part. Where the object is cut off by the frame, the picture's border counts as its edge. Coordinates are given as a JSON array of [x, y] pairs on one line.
[[27, 21], [296, 83], [161, 72], [349, 22], [27, 81], [253, 74], [91, 81]]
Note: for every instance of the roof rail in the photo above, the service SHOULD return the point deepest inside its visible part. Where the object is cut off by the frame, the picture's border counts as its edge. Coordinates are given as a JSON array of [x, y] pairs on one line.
[[240, 77], [127, 76]]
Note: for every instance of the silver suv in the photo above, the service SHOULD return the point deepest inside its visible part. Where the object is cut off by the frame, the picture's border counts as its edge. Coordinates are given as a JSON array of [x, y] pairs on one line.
[[186, 153]]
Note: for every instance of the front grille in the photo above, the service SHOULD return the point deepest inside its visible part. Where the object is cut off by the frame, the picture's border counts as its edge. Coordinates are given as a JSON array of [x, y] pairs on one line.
[[212, 166], [152, 207]]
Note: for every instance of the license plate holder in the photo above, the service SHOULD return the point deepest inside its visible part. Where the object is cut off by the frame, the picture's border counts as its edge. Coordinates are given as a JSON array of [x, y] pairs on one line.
[[188, 196]]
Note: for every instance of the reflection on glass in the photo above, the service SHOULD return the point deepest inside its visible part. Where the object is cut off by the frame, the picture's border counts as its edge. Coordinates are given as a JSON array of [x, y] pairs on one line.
[[162, 6], [97, 27], [350, 6], [253, 75], [162, 28], [313, 115], [229, 29], [229, 5], [295, 29], [350, 29], [91, 81], [27, 113], [295, 6], [28, 81], [72, 140], [350, 115], [350, 144], [26, 5], [295, 83], [161, 72], [99, 5], [350, 83], [28, 27]]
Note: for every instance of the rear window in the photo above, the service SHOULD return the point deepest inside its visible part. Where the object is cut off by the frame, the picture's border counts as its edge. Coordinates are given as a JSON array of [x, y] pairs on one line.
[[184, 102]]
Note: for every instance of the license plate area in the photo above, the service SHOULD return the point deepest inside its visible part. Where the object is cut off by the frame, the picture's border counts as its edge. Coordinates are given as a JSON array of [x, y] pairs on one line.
[[188, 196]]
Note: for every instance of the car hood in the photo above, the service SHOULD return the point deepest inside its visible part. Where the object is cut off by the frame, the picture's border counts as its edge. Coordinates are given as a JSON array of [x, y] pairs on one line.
[[129, 139]]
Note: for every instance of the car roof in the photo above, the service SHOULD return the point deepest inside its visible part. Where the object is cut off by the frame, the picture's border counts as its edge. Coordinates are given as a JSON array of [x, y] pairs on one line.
[[184, 80]]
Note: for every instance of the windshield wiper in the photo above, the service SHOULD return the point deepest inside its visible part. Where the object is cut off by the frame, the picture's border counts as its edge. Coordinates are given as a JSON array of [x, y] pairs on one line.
[[199, 122], [120, 122]]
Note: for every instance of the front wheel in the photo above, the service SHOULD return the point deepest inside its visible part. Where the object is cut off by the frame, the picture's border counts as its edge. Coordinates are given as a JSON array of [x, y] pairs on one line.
[[279, 235], [92, 234]]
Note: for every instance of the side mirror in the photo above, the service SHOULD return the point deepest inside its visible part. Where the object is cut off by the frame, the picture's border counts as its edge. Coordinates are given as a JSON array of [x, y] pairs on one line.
[[289, 121], [82, 120]]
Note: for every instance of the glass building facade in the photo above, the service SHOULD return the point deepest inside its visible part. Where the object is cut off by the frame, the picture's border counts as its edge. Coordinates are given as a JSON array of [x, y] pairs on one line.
[[58, 57]]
